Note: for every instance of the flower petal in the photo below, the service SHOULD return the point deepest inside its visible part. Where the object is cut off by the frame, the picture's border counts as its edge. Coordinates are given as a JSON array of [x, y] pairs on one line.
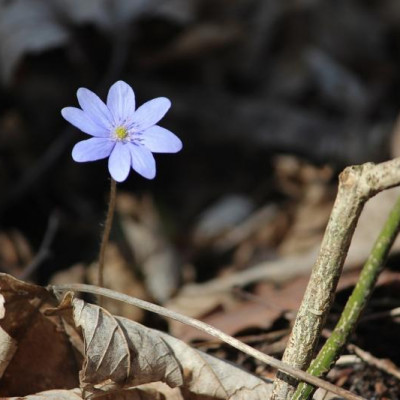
[[92, 149], [119, 162], [79, 119], [150, 113], [142, 161], [121, 101], [94, 107], [160, 140]]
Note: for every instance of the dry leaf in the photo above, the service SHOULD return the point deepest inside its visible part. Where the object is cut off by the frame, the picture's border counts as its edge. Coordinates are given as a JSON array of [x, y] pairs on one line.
[[15, 252], [371, 221], [221, 217], [199, 40], [121, 277], [152, 391], [121, 353], [75, 274], [313, 205], [34, 26], [59, 394], [8, 346], [123, 359], [34, 342], [2, 309], [154, 255], [26, 27], [199, 307]]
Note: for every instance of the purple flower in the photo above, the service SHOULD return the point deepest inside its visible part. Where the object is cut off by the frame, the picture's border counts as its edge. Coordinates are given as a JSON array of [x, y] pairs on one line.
[[126, 136]]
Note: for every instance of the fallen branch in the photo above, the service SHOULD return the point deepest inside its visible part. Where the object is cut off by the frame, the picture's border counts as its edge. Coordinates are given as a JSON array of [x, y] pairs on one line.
[[357, 184], [355, 305], [383, 364]]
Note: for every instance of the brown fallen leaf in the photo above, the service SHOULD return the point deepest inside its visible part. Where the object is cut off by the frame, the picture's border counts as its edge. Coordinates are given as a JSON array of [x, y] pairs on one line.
[[151, 391], [15, 251], [196, 42], [57, 394], [153, 254], [74, 274], [36, 354], [196, 307], [283, 269], [312, 198], [119, 276], [266, 303], [371, 221], [120, 353], [8, 345]]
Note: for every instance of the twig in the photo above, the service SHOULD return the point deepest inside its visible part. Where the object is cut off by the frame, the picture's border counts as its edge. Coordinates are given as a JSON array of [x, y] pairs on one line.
[[276, 271], [211, 331], [107, 230], [355, 304], [395, 312], [44, 249], [257, 338], [32, 175], [348, 360], [384, 365], [357, 184]]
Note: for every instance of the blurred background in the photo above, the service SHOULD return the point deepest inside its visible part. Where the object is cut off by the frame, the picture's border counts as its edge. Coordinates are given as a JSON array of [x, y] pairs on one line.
[[267, 97], [271, 98], [249, 80]]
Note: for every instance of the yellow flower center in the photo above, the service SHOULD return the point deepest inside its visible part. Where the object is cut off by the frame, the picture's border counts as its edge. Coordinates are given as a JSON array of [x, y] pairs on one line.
[[121, 132]]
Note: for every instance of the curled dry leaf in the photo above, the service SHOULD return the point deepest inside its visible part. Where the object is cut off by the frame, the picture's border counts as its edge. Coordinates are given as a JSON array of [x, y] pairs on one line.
[[121, 353], [8, 346], [74, 394], [35, 353], [2, 308], [144, 392]]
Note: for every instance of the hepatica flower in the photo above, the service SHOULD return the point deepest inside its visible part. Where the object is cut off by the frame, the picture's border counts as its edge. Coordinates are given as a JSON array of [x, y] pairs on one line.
[[125, 135]]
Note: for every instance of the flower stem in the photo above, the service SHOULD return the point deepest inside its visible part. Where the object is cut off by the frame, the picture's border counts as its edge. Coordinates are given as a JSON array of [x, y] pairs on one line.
[[106, 232], [355, 304]]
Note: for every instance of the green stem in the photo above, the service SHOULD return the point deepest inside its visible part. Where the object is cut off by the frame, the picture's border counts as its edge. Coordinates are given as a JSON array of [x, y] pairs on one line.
[[331, 350], [107, 229]]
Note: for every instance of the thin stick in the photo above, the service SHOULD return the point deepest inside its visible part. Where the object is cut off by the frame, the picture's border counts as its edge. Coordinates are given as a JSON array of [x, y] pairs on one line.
[[211, 331], [44, 249], [355, 304], [382, 364], [357, 184], [107, 229], [393, 313]]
